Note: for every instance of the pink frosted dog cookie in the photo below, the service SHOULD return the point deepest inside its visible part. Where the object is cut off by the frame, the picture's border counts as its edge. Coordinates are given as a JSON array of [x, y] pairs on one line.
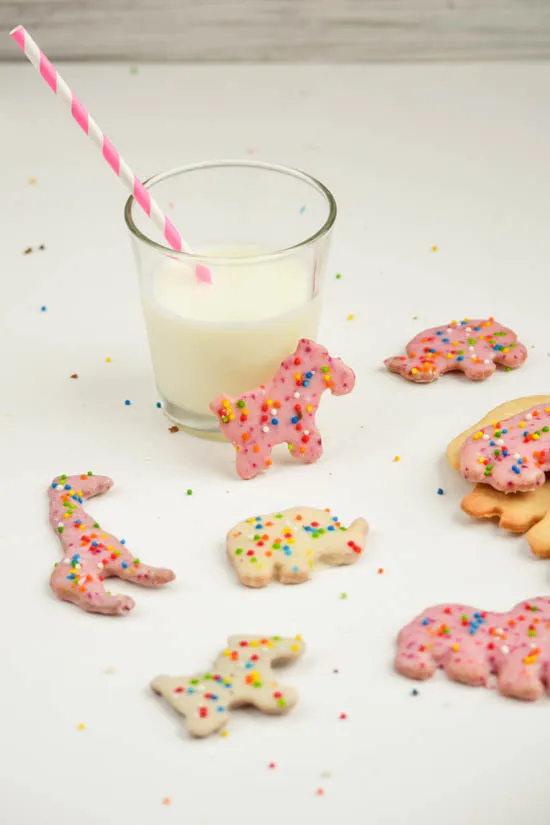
[[91, 554], [469, 346], [471, 645], [284, 409], [511, 455]]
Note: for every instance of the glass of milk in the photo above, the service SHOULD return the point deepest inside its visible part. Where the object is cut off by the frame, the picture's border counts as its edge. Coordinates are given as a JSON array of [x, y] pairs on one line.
[[263, 231]]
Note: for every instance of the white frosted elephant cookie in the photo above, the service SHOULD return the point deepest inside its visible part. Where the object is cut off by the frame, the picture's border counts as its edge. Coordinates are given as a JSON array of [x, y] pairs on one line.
[[286, 545], [241, 675]]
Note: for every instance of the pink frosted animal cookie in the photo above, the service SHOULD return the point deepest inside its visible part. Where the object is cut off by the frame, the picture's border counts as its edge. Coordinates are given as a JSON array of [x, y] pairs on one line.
[[91, 554], [283, 410], [511, 455], [470, 346], [471, 645]]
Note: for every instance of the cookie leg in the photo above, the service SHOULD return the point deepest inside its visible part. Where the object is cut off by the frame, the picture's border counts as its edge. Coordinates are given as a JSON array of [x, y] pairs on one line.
[[471, 668], [476, 371], [88, 593], [513, 358], [294, 570], [520, 674], [307, 451], [539, 538], [251, 462], [128, 568], [414, 660], [278, 699]]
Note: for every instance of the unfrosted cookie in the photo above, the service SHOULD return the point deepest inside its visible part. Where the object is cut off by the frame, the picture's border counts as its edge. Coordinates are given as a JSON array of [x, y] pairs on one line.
[[241, 675], [283, 411], [527, 513], [285, 545], [92, 555], [510, 454], [470, 645], [469, 346]]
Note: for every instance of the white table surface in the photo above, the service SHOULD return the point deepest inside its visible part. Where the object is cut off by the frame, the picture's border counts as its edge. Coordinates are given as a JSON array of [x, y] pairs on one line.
[[455, 157]]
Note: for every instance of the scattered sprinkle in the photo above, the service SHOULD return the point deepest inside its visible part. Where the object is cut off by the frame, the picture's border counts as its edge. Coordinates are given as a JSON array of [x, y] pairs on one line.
[[326, 775], [173, 429], [440, 491], [414, 692], [189, 492], [272, 765], [338, 276], [224, 732], [302, 209], [343, 595], [335, 670], [108, 360], [81, 726], [42, 247], [32, 181], [380, 571], [351, 317], [416, 317], [166, 801], [343, 716], [159, 405], [134, 69], [397, 458], [74, 375], [250, 151], [128, 402], [507, 369], [43, 309], [320, 791], [435, 248]]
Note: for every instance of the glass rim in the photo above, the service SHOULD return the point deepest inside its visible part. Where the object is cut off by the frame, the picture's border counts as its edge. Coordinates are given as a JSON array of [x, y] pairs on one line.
[[251, 164]]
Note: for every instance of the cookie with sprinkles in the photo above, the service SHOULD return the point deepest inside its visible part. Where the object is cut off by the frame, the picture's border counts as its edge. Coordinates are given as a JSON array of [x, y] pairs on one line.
[[473, 347], [286, 545], [241, 675], [92, 555], [510, 454], [284, 410], [473, 645]]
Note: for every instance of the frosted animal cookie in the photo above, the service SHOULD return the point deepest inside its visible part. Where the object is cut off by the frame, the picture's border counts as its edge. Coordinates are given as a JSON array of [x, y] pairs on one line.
[[241, 675], [91, 554], [510, 454], [284, 409], [469, 346], [287, 544], [470, 645]]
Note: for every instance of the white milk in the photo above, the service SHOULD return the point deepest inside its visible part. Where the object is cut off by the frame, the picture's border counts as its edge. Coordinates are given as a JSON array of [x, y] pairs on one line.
[[229, 336]]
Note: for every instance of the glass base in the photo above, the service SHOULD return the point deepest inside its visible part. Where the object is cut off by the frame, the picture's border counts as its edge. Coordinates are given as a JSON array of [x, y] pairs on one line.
[[201, 426]]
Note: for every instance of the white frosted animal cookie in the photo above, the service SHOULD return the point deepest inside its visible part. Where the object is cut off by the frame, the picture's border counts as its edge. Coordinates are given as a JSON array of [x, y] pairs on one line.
[[286, 545], [241, 675]]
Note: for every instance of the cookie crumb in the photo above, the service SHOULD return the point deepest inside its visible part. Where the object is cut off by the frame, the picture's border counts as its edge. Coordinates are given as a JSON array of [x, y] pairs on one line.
[[326, 775], [338, 276], [380, 571], [343, 716], [435, 248], [166, 801], [27, 251], [416, 317], [351, 317], [171, 205], [32, 181], [74, 375], [81, 726], [397, 458], [414, 692], [440, 491], [173, 429], [128, 402], [335, 670], [343, 595], [109, 670], [42, 247]]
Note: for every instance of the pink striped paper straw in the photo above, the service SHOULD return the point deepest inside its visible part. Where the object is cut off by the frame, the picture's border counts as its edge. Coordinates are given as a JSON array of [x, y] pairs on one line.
[[108, 150]]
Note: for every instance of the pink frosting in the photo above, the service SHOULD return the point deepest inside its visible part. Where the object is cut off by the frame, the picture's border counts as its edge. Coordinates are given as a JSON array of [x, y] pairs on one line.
[[90, 553], [511, 455], [471, 346], [470, 645], [283, 410]]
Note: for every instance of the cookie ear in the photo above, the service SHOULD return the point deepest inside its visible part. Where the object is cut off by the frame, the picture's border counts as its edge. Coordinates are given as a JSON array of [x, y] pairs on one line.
[[216, 404]]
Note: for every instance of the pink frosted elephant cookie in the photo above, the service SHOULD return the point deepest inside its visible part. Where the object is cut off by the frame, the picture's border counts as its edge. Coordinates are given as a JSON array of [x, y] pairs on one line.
[[470, 346], [283, 410], [91, 554], [471, 645], [511, 455]]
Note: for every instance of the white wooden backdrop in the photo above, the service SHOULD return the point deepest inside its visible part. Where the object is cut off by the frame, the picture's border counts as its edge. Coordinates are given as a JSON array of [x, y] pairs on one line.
[[282, 30]]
